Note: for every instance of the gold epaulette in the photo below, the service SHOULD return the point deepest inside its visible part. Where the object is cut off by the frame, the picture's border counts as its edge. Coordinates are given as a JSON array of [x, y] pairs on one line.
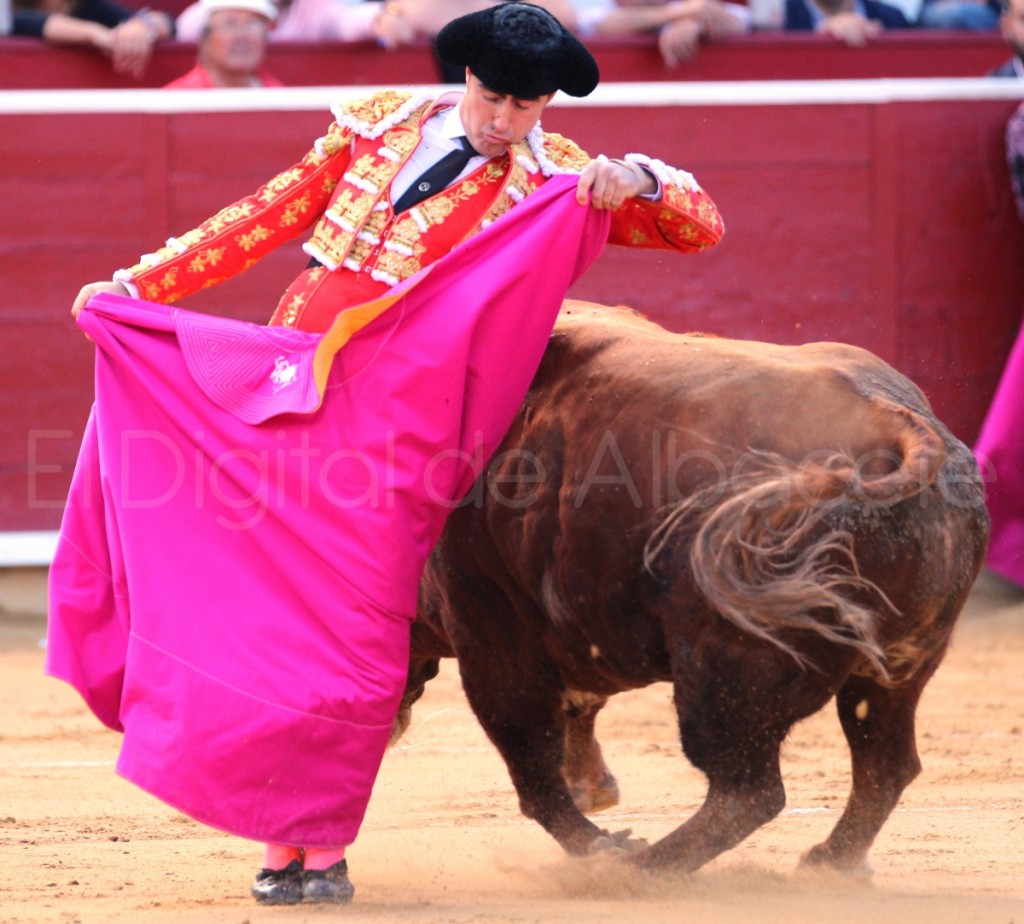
[[566, 155], [371, 116]]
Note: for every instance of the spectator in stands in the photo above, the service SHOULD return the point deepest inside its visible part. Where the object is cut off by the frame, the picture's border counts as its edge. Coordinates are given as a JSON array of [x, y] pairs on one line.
[[405, 21], [232, 46], [302, 21], [393, 23], [1011, 24], [402, 22], [977, 15], [680, 25], [127, 36], [1015, 155], [849, 21]]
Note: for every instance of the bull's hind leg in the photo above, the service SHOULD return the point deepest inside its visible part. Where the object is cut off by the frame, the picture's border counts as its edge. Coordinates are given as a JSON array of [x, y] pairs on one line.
[[879, 726]]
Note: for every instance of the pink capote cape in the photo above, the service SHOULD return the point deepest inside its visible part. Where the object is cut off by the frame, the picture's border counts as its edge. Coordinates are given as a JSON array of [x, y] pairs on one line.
[[239, 557], [1000, 454]]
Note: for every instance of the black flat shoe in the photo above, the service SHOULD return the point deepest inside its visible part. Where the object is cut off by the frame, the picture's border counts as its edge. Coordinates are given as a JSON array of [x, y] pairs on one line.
[[279, 886], [328, 885]]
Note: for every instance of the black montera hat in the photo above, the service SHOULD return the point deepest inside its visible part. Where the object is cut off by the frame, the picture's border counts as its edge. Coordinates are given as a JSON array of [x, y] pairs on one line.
[[519, 49]]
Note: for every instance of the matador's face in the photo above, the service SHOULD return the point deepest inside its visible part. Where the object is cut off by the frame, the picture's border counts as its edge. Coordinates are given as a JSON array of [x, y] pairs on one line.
[[495, 120]]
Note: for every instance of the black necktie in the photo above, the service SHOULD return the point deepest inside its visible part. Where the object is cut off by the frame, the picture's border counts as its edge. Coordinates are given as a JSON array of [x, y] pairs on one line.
[[436, 178]]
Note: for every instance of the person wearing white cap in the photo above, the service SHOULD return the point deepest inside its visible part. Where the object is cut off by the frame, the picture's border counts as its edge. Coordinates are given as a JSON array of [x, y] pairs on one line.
[[301, 21], [232, 46]]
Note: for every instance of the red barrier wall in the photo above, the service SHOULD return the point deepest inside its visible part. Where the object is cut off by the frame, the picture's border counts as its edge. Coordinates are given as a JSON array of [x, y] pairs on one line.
[[29, 64], [889, 225]]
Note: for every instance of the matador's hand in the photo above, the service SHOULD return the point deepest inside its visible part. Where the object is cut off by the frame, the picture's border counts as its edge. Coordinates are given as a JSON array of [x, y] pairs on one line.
[[611, 182], [95, 288]]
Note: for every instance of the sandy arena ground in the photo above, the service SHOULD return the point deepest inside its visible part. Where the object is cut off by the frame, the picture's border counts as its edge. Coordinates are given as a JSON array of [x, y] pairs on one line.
[[444, 840]]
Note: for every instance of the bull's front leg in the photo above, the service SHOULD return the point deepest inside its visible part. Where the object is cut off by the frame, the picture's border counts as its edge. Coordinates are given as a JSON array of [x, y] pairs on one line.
[[524, 718], [586, 774], [731, 811], [732, 730]]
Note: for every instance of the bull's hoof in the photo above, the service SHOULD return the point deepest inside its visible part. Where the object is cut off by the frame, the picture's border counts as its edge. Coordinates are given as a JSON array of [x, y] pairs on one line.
[[820, 857], [591, 799], [618, 844]]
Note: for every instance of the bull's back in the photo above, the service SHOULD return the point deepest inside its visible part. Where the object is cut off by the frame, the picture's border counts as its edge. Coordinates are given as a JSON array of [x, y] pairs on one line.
[[733, 396]]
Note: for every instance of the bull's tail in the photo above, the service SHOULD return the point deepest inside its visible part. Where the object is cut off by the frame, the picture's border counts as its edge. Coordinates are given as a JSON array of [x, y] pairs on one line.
[[764, 555]]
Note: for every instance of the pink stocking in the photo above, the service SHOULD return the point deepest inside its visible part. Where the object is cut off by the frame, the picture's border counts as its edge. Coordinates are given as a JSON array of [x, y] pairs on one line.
[[278, 856], [322, 859]]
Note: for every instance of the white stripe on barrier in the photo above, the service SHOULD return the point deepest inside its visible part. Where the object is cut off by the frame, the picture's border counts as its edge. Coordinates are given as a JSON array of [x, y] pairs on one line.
[[27, 549], [681, 93]]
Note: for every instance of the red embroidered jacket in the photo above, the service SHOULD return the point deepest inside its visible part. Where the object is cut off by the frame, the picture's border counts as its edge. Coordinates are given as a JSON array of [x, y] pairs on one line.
[[341, 189]]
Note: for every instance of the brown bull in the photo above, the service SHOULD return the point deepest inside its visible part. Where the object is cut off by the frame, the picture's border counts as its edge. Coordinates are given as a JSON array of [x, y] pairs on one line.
[[763, 526]]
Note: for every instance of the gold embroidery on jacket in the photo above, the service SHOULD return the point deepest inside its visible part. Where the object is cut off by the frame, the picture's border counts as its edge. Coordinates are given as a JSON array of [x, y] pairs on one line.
[[330, 183], [360, 251], [520, 182], [372, 110], [565, 154], [330, 240], [371, 169], [708, 214], [204, 259], [295, 306], [279, 184], [375, 223], [254, 237], [398, 265], [294, 209], [405, 235], [233, 213], [168, 281], [435, 210], [336, 139], [351, 207], [401, 142]]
